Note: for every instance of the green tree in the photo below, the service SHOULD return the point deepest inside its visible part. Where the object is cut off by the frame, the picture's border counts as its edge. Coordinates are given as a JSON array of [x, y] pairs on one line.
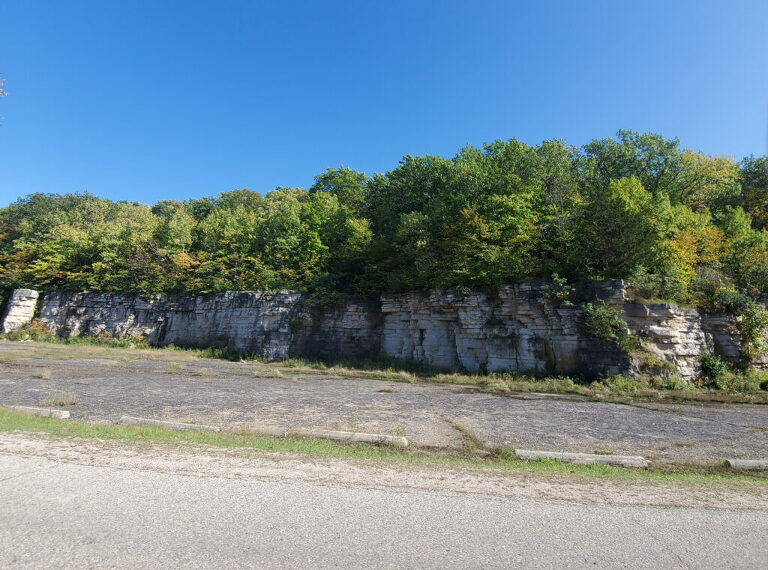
[[347, 185], [622, 228], [753, 177], [654, 160]]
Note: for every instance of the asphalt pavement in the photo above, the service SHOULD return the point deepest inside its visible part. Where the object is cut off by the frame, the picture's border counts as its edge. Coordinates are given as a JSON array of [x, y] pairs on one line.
[[62, 514], [249, 396]]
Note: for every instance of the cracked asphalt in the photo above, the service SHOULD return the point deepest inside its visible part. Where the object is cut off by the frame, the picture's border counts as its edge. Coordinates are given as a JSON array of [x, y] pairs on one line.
[[258, 397]]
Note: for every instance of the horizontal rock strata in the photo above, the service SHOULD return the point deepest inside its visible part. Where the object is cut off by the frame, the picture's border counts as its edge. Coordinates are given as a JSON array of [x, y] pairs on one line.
[[19, 310], [523, 327]]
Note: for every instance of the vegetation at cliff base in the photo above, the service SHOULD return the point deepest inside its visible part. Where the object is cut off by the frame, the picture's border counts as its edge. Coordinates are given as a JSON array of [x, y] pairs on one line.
[[680, 225]]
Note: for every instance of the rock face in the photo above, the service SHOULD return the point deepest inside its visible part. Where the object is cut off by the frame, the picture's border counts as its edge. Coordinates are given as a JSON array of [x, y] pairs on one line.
[[670, 334], [351, 330], [723, 336], [268, 325], [20, 309], [520, 327]]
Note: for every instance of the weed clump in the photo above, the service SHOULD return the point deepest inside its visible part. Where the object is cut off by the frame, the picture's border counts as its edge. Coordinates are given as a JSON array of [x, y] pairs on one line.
[[59, 399]]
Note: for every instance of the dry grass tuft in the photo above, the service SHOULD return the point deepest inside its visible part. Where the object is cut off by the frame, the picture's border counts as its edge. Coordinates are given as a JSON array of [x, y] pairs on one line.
[[60, 399], [267, 372]]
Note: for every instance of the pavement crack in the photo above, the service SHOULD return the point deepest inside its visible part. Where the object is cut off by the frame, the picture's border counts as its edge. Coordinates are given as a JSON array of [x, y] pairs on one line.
[[470, 440]]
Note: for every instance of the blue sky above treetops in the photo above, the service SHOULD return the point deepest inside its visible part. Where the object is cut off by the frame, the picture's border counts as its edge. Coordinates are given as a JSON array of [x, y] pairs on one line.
[[143, 101]]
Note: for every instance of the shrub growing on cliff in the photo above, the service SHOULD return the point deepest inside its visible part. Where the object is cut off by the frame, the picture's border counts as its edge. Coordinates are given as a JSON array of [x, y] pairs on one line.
[[560, 292], [751, 320], [604, 322], [713, 367]]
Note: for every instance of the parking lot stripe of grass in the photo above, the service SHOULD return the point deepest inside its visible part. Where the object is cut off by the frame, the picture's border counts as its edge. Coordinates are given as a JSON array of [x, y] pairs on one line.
[[13, 421]]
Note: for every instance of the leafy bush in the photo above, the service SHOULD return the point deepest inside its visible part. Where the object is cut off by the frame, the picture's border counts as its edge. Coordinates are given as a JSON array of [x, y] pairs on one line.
[[753, 327], [559, 292], [709, 281], [732, 301], [731, 382], [657, 367], [33, 331], [604, 322], [620, 383], [461, 292], [675, 383], [37, 332], [713, 367], [660, 286], [752, 320]]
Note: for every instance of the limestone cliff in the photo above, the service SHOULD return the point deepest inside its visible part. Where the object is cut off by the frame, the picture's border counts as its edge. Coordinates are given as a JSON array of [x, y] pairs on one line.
[[19, 310], [518, 327], [269, 325]]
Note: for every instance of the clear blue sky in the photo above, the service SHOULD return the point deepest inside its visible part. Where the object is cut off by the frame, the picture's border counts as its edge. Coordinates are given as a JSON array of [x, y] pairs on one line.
[[149, 100]]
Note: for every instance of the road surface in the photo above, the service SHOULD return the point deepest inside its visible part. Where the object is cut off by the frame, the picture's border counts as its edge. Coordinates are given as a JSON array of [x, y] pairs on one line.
[[98, 505]]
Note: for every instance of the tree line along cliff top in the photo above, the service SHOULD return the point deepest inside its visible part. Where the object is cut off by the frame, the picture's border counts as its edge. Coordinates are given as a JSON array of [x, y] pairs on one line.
[[680, 225]]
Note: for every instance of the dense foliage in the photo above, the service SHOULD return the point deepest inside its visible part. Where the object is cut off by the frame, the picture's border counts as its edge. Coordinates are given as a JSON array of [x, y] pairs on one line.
[[680, 225]]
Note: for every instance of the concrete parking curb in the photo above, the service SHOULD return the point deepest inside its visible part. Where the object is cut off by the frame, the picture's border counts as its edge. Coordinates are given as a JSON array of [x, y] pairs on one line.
[[585, 458], [45, 412], [167, 425], [397, 441], [747, 464], [322, 434]]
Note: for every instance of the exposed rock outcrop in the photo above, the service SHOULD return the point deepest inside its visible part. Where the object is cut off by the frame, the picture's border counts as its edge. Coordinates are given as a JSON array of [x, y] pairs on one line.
[[353, 329], [269, 325], [19, 310], [518, 329], [525, 327], [670, 334]]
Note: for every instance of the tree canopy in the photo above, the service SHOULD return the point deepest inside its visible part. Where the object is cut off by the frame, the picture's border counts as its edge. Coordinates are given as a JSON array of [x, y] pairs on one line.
[[637, 206]]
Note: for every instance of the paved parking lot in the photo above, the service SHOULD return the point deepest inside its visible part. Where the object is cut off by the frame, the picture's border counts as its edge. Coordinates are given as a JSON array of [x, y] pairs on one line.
[[253, 396]]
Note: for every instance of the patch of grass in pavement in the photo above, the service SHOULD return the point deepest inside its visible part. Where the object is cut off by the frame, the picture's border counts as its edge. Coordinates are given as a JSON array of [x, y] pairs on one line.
[[17, 350], [472, 443], [59, 399], [500, 458]]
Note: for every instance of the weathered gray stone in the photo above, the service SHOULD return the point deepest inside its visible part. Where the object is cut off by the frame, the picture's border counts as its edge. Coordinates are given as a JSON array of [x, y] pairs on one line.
[[20, 309], [585, 458], [269, 325], [517, 328], [670, 333], [747, 464], [353, 329], [395, 440], [176, 426], [45, 412]]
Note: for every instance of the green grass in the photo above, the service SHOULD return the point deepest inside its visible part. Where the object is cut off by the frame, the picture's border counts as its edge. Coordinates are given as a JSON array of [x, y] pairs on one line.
[[499, 459]]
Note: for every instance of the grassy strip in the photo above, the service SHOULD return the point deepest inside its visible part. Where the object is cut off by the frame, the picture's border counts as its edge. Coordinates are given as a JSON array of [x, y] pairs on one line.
[[504, 459]]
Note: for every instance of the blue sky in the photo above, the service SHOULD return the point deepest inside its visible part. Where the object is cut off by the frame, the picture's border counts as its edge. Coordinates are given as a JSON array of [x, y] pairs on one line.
[[150, 100]]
